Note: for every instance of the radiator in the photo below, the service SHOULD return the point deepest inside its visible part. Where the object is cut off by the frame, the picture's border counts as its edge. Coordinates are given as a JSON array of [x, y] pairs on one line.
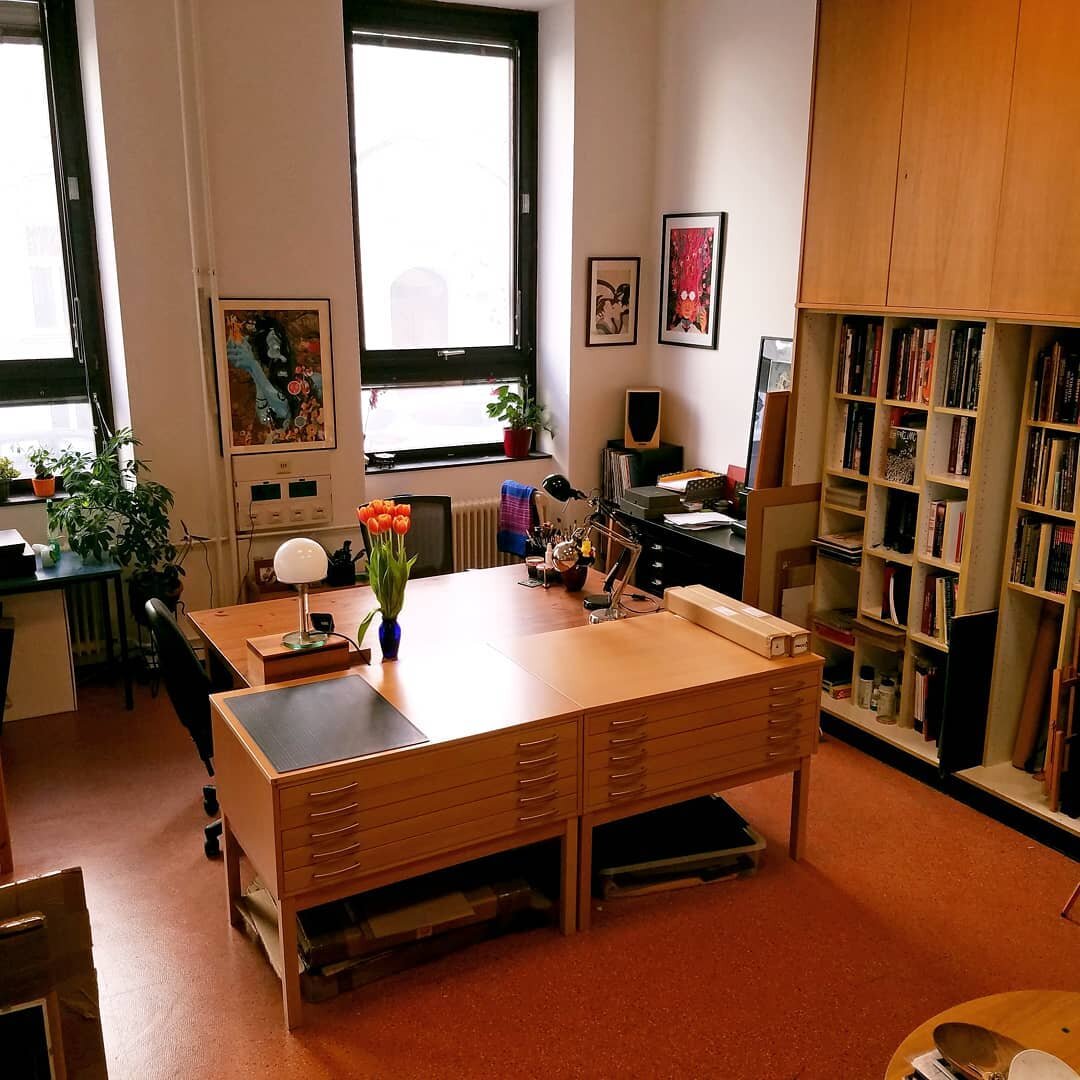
[[86, 622], [476, 525]]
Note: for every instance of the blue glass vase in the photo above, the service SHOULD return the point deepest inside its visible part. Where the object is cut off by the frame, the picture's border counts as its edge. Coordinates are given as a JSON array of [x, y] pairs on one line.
[[389, 638]]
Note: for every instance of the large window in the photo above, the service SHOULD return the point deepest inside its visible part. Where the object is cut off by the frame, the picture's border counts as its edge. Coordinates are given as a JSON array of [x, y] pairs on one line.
[[51, 355], [443, 103]]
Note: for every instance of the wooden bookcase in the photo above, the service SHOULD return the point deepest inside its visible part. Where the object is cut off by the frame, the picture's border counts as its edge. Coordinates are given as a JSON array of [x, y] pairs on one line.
[[1002, 425]]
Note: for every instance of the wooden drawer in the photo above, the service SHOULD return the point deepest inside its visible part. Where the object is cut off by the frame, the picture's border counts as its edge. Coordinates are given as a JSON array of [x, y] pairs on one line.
[[683, 769], [354, 865], [795, 685]]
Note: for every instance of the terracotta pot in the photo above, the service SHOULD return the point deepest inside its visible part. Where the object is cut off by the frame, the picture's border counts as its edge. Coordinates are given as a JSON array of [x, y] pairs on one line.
[[44, 489], [517, 442]]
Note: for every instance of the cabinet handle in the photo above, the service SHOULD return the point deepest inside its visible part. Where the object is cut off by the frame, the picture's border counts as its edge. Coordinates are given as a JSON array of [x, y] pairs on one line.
[[626, 775], [629, 791], [784, 704], [783, 753], [784, 688], [629, 723], [335, 832], [538, 779], [331, 791], [531, 763], [546, 797], [639, 737], [336, 873], [619, 759], [333, 813], [785, 737], [334, 854], [536, 742], [782, 721], [536, 817]]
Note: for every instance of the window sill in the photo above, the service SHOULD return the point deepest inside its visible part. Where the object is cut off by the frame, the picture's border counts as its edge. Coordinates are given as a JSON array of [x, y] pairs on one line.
[[29, 498], [453, 463]]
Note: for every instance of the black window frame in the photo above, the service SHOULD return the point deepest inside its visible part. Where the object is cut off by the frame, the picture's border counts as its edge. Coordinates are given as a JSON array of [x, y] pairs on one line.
[[83, 377], [468, 29]]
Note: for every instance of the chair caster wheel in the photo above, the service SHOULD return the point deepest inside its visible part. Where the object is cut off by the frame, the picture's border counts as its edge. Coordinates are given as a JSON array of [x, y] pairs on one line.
[[210, 806], [211, 847]]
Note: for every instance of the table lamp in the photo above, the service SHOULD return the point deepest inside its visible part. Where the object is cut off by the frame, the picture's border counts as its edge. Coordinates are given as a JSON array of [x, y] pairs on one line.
[[301, 562]]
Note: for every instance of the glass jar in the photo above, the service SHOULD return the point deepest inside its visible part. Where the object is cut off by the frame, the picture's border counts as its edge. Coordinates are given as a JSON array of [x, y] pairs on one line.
[[864, 688], [886, 701]]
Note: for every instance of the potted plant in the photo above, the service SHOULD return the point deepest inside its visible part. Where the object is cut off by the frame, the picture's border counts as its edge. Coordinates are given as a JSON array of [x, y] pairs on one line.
[[44, 479], [113, 509], [8, 472], [521, 415], [389, 565]]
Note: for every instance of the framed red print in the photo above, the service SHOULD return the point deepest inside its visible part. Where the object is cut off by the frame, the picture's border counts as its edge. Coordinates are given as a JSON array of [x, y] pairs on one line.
[[692, 263]]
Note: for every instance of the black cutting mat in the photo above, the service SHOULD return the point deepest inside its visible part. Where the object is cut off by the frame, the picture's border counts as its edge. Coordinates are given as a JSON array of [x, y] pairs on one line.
[[321, 722]]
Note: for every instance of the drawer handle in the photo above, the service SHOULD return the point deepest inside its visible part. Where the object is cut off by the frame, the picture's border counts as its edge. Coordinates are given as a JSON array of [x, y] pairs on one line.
[[538, 779], [787, 736], [626, 775], [782, 721], [620, 759], [334, 813], [335, 832], [786, 752], [784, 688], [334, 854], [536, 817], [629, 723], [531, 763], [336, 873], [639, 737], [537, 742], [332, 791], [546, 797], [784, 704], [628, 791]]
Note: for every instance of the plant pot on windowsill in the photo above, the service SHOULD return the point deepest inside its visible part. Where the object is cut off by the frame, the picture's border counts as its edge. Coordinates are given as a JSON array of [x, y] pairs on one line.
[[44, 486], [517, 442]]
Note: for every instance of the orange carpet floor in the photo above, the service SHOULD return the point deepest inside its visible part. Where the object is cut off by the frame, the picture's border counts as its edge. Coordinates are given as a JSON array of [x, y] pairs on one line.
[[908, 902]]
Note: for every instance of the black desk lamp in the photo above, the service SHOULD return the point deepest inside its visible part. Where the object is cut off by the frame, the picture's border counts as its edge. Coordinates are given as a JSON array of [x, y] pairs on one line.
[[603, 605]]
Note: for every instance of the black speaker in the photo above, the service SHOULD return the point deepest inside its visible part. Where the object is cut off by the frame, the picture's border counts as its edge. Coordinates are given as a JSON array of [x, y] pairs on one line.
[[641, 430]]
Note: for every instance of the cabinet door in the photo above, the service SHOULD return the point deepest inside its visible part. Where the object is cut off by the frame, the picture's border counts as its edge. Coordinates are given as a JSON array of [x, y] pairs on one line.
[[854, 144], [952, 152], [1037, 261]]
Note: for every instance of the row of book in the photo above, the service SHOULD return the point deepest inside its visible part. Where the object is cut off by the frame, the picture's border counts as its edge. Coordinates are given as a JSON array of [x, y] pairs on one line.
[[960, 444], [911, 368], [1055, 390], [929, 698], [939, 605], [945, 520], [1050, 470], [963, 370], [1038, 540], [858, 433], [615, 473], [859, 361]]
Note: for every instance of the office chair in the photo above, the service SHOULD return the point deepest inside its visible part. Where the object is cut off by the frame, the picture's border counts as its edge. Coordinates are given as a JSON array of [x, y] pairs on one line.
[[189, 689], [431, 537]]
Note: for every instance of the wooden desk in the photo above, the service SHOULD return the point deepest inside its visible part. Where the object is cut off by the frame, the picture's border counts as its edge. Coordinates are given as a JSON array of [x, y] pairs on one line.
[[1037, 1019]]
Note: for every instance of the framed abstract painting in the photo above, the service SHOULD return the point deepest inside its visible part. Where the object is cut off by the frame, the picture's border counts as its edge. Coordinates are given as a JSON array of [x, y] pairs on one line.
[[276, 375], [692, 263], [613, 301]]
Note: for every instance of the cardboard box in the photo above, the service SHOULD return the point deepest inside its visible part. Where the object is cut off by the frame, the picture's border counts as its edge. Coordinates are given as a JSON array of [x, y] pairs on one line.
[[716, 612], [798, 637]]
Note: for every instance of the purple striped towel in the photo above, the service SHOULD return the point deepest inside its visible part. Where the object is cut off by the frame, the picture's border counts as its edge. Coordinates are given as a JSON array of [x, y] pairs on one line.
[[517, 515]]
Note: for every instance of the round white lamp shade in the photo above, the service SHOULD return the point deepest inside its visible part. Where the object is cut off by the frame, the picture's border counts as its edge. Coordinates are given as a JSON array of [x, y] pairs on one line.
[[300, 561]]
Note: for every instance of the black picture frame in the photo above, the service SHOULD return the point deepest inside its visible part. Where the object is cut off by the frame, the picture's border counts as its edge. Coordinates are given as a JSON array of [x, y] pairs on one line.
[[678, 319], [620, 266], [773, 373]]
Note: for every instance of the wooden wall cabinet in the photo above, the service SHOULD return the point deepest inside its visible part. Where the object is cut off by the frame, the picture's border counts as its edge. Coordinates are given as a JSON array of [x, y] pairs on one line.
[[952, 152], [854, 144]]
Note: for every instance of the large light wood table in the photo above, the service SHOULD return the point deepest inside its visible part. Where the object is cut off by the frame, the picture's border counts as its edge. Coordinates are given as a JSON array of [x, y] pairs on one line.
[[1037, 1019], [538, 726]]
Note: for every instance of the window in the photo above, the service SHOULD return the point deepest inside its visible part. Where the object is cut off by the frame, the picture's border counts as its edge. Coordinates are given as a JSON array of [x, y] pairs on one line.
[[52, 358], [443, 109]]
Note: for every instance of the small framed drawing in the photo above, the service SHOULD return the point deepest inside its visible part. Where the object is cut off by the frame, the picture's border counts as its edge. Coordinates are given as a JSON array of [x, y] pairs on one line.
[[613, 300], [773, 373], [692, 264], [276, 375]]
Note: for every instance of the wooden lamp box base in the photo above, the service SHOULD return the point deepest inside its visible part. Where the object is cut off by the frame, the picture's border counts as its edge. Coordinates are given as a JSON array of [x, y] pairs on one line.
[[270, 660]]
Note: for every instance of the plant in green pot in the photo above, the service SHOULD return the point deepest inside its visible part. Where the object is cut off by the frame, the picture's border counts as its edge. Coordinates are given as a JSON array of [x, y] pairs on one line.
[[8, 472], [521, 415], [113, 509], [44, 465]]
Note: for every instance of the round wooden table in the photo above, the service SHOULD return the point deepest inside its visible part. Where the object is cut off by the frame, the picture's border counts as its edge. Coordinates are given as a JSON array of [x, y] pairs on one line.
[[1038, 1019]]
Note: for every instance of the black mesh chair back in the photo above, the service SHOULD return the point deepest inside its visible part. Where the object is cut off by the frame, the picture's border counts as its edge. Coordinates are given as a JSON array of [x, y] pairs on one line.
[[185, 679], [431, 538]]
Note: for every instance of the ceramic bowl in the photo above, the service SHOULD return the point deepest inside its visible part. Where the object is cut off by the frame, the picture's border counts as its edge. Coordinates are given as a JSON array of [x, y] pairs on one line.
[[1039, 1065]]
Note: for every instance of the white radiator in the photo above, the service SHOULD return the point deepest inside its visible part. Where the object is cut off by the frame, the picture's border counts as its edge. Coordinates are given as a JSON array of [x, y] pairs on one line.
[[86, 622], [476, 526]]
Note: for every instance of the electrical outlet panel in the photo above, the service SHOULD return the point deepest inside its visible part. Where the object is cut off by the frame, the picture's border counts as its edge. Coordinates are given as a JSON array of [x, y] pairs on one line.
[[283, 503]]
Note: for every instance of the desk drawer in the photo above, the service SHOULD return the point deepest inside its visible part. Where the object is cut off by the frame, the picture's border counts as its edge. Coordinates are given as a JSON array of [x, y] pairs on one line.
[[683, 768], [357, 862]]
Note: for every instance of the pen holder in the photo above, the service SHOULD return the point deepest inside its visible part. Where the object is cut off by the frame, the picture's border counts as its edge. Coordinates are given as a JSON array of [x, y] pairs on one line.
[[574, 578]]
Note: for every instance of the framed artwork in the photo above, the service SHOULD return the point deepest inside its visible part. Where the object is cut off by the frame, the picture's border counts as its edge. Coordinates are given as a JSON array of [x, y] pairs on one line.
[[613, 300], [691, 261], [773, 373], [275, 375]]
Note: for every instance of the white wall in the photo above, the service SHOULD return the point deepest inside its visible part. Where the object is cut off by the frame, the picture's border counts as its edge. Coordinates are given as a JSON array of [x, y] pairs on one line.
[[731, 132]]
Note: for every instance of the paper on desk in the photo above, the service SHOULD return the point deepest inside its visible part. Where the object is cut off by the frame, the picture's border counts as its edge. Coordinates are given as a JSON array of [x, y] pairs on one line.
[[702, 519]]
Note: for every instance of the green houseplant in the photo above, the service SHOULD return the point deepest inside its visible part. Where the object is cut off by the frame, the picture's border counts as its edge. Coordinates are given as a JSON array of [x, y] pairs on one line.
[[44, 464], [8, 472], [114, 509], [521, 415]]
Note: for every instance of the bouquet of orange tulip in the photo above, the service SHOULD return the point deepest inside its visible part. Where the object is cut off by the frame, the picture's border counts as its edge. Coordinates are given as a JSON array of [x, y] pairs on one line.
[[387, 524]]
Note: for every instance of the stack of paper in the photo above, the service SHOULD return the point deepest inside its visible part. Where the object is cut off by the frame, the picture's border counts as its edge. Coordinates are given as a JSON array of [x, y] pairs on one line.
[[701, 519]]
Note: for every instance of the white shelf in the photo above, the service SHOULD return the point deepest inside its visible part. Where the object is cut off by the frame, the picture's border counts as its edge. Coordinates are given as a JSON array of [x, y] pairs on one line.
[[1050, 425], [930, 642], [949, 480], [940, 564], [1042, 594], [948, 410], [1046, 511], [844, 509], [1019, 788], [918, 406], [908, 740], [895, 485], [879, 552]]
